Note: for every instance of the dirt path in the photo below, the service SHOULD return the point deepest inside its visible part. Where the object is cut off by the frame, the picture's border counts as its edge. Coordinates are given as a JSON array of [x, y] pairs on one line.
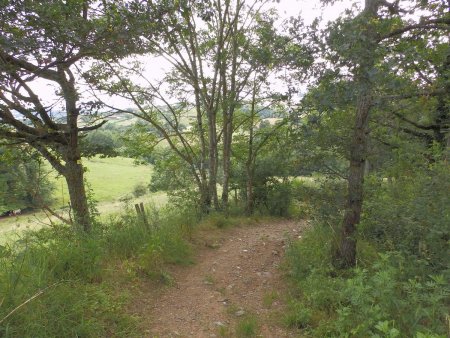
[[236, 279]]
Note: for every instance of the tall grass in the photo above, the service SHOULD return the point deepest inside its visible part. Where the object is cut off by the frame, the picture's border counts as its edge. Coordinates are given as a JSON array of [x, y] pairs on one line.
[[58, 283]]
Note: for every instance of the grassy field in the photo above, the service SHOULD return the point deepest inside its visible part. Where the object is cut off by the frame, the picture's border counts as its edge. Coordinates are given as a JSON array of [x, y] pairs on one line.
[[110, 179]]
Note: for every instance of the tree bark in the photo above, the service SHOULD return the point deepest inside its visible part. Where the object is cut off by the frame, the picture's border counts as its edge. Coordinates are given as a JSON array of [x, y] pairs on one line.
[[229, 99], [250, 163], [345, 254], [213, 160], [77, 194], [249, 208], [228, 135], [74, 172]]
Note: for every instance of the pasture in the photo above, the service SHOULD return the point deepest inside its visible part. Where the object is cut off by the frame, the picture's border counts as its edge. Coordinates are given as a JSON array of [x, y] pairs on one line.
[[111, 180]]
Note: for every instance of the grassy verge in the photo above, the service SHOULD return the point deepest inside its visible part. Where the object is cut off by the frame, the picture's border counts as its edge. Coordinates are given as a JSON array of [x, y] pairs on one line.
[[55, 282], [11, 228], [58, 283]]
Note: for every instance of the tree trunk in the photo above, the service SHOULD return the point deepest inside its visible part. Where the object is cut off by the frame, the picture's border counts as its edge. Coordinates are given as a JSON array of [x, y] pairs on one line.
[[228, 134], [205, 198], [229, 99], [213, 160], [345, 254], [249, 192], [250, 163], [74, 171], [77, 193]]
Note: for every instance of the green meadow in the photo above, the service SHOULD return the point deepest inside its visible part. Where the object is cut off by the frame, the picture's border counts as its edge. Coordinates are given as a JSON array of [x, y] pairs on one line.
[[111, 181]]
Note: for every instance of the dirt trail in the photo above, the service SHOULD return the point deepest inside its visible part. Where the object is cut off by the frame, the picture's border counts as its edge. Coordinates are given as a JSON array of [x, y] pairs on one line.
[[236, 276]]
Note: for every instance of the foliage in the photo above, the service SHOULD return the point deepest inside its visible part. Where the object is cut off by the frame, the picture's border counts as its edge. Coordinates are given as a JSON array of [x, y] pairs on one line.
[[173, 175], [139, 190], [268, 170], [24, 180], [411, 214], [70, 273], [399, 287], [104, 143], [365, 299]]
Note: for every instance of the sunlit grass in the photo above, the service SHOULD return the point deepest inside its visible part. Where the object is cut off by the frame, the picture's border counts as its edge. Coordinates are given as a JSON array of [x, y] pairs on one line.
[[111, 179]]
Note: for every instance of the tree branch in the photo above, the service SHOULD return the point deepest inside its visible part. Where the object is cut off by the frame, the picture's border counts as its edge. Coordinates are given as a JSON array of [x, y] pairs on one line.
[[430, 24]]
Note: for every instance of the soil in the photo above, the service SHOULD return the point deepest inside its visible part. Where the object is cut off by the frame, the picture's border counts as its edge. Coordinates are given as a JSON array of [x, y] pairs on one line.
[[236, 278]]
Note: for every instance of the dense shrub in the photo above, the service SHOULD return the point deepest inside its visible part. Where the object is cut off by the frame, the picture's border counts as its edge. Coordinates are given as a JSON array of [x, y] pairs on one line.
[[273, 197], [400, 285], [386, 297], [139, 190], [321, 198], [411, 214]]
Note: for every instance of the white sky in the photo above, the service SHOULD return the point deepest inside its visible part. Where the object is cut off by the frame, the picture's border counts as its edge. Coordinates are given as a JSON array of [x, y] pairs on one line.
[[156, 67]]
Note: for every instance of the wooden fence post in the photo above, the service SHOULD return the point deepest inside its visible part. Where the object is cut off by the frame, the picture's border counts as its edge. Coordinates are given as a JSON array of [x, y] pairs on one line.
[[141, 214]]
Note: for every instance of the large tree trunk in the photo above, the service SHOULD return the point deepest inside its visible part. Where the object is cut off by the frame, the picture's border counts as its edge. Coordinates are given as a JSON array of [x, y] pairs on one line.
[[74, 171], [345, 254], [77, 193]]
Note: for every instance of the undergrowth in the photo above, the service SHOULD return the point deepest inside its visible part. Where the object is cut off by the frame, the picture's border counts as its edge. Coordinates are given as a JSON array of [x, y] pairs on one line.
[[57, 282], [400, 285]]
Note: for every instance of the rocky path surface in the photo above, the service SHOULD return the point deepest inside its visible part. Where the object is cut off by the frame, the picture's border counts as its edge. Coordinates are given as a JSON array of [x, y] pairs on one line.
[[236, 279]]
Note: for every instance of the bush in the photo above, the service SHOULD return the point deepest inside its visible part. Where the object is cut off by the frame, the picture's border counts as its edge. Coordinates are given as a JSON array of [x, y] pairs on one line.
[[321, 198], [139, 190], [390, 295], [411, 214]]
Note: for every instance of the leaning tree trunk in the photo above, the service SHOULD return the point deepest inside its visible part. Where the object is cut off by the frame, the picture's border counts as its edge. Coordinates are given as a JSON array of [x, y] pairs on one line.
[[345, 254]]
